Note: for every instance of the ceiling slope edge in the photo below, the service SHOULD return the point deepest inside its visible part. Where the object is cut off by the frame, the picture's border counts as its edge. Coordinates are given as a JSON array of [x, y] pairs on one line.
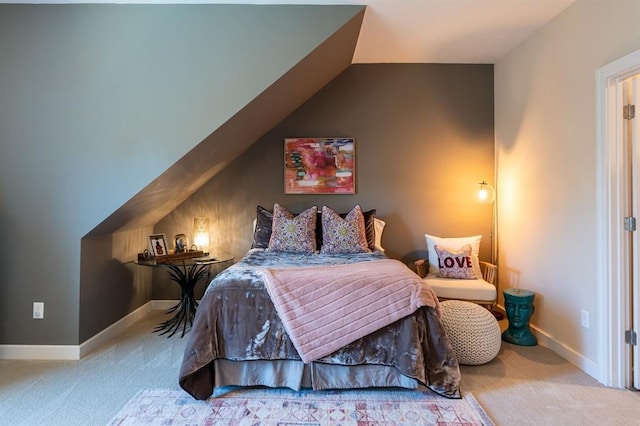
[[248, 125]]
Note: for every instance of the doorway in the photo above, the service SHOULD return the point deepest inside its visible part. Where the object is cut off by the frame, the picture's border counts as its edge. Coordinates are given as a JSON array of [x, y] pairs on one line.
[[618, 250], [631, 137]]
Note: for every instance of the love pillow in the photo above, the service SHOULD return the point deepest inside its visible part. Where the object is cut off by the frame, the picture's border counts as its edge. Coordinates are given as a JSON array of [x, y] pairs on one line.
[[455, 263]]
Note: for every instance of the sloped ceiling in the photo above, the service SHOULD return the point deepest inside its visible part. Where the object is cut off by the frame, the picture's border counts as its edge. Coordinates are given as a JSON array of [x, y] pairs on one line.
[[420, 31], [225, 143], [448, 31], [424, 31]]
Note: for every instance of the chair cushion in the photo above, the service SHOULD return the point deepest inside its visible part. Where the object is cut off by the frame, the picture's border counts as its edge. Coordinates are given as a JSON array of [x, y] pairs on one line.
[[451, 288]]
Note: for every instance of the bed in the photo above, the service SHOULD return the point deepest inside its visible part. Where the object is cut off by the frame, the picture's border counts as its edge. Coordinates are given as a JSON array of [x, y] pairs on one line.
[[240, 338]]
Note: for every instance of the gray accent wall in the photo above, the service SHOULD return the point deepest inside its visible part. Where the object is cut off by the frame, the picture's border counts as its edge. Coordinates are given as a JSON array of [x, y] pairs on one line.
[[101, 104], [424, 139]]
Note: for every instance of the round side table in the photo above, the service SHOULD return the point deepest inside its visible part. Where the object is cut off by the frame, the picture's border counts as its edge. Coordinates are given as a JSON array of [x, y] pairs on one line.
[[518, 304]]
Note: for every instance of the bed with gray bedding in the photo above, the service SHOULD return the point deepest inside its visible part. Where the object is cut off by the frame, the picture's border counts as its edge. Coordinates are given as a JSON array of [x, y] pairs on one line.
[[238, 339]]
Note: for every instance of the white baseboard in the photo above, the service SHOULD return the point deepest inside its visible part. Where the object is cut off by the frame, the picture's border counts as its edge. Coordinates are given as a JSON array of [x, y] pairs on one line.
[[75, 352], [575, 358], [40, 352], [583, 363], [161, 305], [546, 340], [114, 329]]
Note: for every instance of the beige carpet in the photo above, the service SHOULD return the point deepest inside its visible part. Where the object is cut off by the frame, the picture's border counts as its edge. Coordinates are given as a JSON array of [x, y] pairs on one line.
[[535, 386], [522, 386]]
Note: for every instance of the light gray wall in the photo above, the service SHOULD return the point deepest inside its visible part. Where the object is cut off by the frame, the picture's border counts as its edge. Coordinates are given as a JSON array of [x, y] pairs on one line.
[[546, 162], [424, 139], [97, 101]]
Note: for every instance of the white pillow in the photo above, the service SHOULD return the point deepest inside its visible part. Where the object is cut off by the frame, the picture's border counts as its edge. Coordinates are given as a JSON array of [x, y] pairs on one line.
[[455, 244], [379, 227]]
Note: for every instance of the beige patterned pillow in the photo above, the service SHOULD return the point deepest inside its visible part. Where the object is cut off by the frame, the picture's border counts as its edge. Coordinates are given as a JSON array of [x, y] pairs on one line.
[[293, 234], [340, 236], [455, 263]]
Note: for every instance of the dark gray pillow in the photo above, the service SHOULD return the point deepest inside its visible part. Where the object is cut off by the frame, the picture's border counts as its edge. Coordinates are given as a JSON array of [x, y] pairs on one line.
[[262, 233]]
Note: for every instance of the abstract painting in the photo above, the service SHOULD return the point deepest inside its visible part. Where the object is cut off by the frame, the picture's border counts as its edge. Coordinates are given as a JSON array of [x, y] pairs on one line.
[[319, 166]]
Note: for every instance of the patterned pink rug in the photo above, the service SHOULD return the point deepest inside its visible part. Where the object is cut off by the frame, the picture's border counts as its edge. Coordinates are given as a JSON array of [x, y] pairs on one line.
[[281, 407]]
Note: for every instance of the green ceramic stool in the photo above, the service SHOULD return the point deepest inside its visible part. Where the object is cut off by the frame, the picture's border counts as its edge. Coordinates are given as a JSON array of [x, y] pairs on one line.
[[519, 306]]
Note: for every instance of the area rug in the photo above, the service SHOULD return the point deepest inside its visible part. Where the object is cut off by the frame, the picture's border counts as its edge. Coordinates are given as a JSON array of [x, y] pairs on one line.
[[284, 407]]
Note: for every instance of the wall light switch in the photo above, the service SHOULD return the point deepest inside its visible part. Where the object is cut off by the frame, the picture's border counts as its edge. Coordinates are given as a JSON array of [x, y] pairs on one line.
[[38, 310]]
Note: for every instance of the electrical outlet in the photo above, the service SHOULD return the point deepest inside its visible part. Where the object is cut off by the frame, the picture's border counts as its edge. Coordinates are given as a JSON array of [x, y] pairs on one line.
[[38, 310], [584, 319]]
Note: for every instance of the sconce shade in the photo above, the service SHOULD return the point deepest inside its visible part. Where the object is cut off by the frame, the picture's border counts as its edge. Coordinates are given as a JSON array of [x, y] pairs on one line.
[[486, 194], [201, 233]]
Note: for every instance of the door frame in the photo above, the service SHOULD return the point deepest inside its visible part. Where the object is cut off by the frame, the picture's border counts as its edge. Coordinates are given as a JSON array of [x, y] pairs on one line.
[[632, 135], [612, 266]]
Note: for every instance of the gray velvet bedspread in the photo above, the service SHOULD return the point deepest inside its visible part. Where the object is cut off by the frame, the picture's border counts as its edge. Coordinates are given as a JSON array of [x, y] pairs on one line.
[[237, 321]]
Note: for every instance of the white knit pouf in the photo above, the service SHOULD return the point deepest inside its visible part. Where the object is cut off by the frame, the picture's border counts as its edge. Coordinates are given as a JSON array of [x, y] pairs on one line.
[[473, 331]]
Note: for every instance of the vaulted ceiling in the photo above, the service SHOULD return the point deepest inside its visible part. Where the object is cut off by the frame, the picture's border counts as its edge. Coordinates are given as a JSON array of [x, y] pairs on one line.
[[423, 31], [327, 55], [441, 31], [400, 31]]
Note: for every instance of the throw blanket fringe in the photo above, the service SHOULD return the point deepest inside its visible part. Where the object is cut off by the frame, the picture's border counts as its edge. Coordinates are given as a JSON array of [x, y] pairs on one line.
[[324, 308]]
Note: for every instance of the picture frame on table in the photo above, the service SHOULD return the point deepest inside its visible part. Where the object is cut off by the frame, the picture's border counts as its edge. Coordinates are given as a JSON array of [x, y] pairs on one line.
[[319, 166], [158, 245]]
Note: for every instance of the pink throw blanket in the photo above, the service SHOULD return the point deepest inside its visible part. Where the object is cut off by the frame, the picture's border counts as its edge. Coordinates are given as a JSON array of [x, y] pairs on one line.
[[324, 308]]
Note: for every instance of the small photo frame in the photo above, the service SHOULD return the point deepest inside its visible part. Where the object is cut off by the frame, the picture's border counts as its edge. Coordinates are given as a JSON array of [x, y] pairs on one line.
[[158, 245]]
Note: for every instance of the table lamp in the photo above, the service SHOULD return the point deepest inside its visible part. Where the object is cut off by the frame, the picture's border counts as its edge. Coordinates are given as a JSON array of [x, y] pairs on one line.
[[201, 233]]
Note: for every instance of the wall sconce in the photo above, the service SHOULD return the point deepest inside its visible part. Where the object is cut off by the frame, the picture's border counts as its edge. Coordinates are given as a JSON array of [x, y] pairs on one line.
[[201, 233], [486, 194]]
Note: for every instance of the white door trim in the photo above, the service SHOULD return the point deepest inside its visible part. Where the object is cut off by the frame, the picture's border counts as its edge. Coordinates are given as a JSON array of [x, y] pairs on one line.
[[612, 267], [633, 136]]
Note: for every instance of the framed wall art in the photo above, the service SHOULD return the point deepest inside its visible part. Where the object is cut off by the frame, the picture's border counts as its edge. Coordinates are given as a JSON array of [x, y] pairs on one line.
[[158, 245], [319, 166]]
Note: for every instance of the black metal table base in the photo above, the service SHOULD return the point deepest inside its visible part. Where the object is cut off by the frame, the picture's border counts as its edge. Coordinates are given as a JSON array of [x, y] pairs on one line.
[[187, 276], [185, 312]]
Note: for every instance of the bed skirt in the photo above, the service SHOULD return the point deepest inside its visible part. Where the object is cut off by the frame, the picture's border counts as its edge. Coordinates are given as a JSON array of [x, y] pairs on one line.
[[297, 375]]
